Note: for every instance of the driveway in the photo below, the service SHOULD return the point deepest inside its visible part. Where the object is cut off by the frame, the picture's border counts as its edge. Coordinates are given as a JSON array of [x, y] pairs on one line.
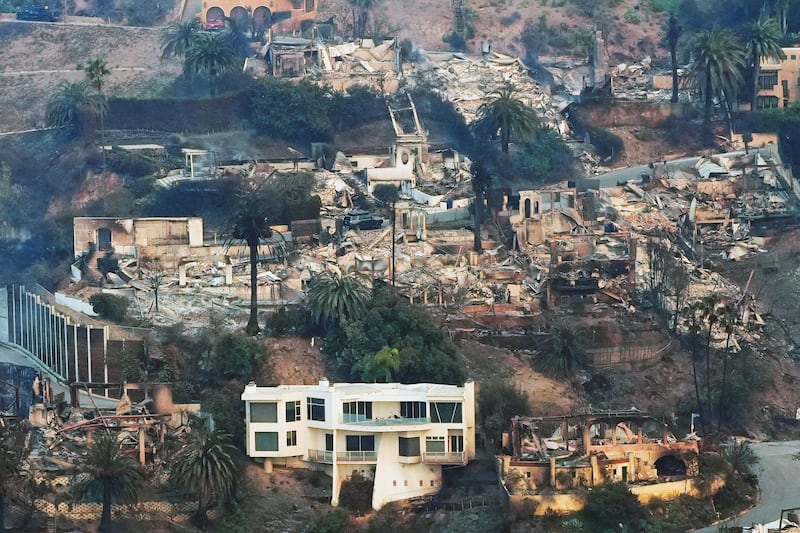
[[779, 477]]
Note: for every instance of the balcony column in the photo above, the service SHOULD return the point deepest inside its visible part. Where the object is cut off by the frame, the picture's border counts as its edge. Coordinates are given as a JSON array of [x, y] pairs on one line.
[[268, 465], [335, 474]]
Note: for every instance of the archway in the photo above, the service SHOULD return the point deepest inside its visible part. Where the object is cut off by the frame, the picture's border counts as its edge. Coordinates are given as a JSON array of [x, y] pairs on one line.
[[262, 17], [669, 465], [214, 14], [240, 15], [527, 208]]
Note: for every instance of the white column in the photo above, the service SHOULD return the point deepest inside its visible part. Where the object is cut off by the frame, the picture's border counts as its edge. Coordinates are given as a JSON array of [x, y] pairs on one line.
[[75, 329], [335, 475], [89, 350], [105, 356]]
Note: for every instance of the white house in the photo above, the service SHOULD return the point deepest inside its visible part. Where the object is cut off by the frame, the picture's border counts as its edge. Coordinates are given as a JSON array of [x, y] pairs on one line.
[[398, 435]]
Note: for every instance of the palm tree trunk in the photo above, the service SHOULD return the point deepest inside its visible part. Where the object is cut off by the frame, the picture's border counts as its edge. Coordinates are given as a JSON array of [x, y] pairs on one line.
[[674, 58], [105, 520], [505, 138], [708, 374], [707, 104], [756, 72], [477, 245], [200, 518], [721, 403], [394, 239], [252, 323], [695, 332]]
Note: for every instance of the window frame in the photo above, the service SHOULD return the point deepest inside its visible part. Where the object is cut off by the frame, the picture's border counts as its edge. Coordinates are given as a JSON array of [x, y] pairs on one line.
[[415, 409], [266, 434], [313, 406], [403, 442], [291, 438], [294, 409], [258, 419], [456, 417]]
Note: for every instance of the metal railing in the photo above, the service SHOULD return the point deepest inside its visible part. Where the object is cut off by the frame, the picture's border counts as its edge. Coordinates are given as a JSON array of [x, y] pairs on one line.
[[444, 457], [325, 456]]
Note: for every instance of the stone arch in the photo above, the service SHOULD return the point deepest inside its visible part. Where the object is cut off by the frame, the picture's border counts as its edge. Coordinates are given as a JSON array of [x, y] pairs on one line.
[[215, 13], [262, 17], [239, 13], [670, 465]]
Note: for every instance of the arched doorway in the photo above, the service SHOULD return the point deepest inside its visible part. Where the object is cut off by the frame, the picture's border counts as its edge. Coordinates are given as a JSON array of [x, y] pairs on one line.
[[215, 14], [669, 465], [262, 17], [527, 208], [240, 15]]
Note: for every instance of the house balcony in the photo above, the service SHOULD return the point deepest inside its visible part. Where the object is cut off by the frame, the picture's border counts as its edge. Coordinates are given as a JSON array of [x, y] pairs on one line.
[[382, 424], [445, 458], [320, 456], [327, 457]]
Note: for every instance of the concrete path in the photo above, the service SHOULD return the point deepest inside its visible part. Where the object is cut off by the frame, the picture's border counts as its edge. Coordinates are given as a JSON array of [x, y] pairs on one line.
[[779, 477]]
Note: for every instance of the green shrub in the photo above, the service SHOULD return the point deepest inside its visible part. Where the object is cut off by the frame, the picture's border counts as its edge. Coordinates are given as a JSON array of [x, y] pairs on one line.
[[234, 356], [498, 402], [110, 306], [508, 20], [612, 504], [334, 521], [632, 16]]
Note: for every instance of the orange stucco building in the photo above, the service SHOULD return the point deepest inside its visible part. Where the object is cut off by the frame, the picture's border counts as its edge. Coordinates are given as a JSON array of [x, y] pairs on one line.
[[779, 80], [286, 14]]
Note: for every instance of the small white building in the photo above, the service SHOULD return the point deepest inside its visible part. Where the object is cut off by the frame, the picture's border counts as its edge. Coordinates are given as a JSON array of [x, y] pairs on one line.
[[398, 435]]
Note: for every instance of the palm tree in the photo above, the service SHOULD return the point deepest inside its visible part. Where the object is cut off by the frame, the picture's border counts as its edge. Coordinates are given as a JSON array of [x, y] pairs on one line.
[[250, 224], [507, 115], [205, 466], [360, 20], [70, 103], [563, 346], [111, 474], [729, 317], [717, 68], [179, 37], [211, 56], [380, 367], [332, 297], [674, 31], [694, 312], [481, 180], [11, 455], [235, 37], [388, 194], [96, 72], [762, 43]]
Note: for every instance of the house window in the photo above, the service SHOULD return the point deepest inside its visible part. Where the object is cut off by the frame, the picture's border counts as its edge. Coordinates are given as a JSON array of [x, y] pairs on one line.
[[768, 79], [316, 409], [420, 483], [456, 443], [766, 102], [293, 411], [408, 446], [264, 412], [310, 5], [291, 438], [794, 57], [413, 410], [328, 442], [434, 445], [446, 412], [360, 443], [267, 441], [357, 411], [433, 483]]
